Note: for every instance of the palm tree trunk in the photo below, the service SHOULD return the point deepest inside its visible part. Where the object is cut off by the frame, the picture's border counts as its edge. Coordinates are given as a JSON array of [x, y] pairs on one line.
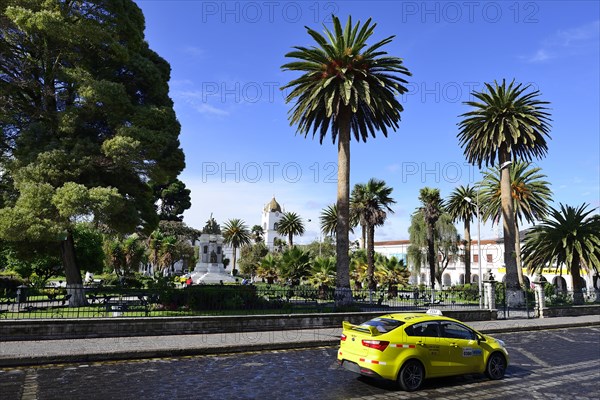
[[72, 272], [576, 277], [363, 229], [344, 293], [514, 294], [370, 257], [467, 252], [518, 254], [431, 254], [234, 256], [290, 240]]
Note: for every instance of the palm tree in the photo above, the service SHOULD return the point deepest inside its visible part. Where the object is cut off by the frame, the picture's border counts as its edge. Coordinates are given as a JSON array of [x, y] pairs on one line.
[[392, 272], [431, 209], [505, 122], [322, 273], [358, 267], [291, 225], [461, 208], [345, 87], [168, 254], [294, 265], [329, 219], [531, 196], [257, 233], [568, 237], [370, 201], [268, 268], [235, 234]]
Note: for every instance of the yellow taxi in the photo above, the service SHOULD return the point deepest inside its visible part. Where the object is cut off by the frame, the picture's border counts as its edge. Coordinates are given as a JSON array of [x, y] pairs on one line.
[[411, 347]]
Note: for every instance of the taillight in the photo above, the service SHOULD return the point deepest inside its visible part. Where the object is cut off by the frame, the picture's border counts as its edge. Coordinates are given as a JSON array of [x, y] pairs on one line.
[[380, 345], [343, 337]]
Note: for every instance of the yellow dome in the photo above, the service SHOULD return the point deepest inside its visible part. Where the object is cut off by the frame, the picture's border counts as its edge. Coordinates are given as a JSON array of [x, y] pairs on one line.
[[273, 206]]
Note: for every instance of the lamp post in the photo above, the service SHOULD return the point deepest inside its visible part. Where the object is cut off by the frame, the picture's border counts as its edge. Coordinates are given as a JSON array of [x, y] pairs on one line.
[[479, 281]]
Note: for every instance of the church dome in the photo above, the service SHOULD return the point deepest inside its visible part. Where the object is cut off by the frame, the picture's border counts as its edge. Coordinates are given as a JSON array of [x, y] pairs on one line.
[[273, 206]]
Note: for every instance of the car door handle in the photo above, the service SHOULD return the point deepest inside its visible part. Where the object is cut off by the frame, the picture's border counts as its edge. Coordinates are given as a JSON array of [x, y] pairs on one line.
[[453, 345], [420, 343]]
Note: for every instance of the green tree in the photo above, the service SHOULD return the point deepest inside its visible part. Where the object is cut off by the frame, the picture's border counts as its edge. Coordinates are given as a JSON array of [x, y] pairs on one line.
[[329, 218], [371, 202], [391, 272], [358, 267], [445, 244], [236, 235], [173, 199], [86, 123], [290, 225], [294, 265], [531, 196], [348, 88], [322, 272], [462, 207], [431, 209], [268, 268], [251, 257], [505, 124], [257, 234], [569, 237], [321, 248]]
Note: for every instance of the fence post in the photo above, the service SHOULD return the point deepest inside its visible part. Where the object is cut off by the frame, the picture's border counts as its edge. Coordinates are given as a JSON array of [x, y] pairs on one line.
[[540, 300]]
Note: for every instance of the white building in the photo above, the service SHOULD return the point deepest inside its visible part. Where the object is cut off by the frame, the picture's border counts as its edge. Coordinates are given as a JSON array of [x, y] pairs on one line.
[[492, 254], [272, 213]]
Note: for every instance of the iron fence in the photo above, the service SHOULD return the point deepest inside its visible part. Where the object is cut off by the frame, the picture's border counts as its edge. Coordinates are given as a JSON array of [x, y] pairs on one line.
[[107, 302]]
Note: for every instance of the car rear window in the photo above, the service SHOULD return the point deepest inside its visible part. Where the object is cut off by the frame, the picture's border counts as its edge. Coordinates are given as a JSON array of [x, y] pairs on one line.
[[383, 325]]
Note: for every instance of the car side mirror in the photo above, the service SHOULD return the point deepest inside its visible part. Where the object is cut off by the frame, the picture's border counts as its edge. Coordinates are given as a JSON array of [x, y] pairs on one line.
[[480, 338]]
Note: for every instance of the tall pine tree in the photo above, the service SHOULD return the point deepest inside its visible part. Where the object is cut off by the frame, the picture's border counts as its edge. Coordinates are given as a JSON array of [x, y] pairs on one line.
[[87, 124]]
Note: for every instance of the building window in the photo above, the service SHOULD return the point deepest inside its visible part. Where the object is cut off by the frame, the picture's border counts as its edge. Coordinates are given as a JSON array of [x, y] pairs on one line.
[[218, 249], [488, 258], [275, 225], [205, 250], [475, 258]]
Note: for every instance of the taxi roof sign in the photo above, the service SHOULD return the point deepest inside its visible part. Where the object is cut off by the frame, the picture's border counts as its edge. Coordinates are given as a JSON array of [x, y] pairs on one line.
[[434, 311]]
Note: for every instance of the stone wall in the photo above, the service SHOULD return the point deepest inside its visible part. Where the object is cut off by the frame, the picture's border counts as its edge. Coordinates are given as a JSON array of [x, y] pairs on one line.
[[571, 311], [156, 326]]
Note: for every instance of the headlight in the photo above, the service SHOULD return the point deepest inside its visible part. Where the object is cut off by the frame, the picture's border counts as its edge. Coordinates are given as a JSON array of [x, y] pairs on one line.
[[501, 342]]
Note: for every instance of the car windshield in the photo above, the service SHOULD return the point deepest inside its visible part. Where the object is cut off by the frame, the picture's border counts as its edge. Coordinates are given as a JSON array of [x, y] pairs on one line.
[[383, 325]]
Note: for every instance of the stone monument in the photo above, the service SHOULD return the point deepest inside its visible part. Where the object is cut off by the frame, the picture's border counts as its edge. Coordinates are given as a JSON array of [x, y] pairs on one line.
[[209, 268]]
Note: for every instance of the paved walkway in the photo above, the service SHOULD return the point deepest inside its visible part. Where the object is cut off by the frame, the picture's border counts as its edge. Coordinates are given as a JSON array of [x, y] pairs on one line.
[[21, 353]]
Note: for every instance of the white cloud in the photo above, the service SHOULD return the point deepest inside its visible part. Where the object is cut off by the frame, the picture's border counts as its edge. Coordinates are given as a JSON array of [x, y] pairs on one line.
[[193, 51], [566, 43], [205, 108], [197, 100]]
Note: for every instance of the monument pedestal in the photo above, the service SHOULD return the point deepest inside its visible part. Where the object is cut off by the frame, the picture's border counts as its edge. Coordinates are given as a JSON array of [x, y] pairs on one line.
[[210, 269]]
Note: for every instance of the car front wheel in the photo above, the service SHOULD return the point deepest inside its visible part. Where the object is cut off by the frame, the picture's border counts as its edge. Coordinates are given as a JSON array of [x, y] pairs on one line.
[[496, 366], [411, 376]]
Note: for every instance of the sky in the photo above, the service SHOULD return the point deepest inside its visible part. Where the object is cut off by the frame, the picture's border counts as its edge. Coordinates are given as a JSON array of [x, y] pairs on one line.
[[240, 149]]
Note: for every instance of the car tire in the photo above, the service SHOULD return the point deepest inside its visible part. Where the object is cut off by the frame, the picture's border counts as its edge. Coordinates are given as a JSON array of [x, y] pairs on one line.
[[411, 376], [496, 366]]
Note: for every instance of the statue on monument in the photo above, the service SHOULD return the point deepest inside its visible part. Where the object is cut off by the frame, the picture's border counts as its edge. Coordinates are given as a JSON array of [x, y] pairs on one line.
[[211, 227]]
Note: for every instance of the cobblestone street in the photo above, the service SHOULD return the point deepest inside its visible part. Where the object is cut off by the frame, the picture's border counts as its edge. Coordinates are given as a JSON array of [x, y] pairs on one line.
[[551, 364]]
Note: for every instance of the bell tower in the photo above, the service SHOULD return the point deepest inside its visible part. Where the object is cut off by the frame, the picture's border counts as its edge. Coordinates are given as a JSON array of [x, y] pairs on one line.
[[271, 215]]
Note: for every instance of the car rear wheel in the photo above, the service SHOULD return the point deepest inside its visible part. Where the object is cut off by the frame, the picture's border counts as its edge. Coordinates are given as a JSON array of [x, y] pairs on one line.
[[411, 376], [496, 366]]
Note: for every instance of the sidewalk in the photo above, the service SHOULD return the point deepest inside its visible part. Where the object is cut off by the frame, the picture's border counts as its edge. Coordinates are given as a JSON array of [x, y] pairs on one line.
[[103, 349]]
